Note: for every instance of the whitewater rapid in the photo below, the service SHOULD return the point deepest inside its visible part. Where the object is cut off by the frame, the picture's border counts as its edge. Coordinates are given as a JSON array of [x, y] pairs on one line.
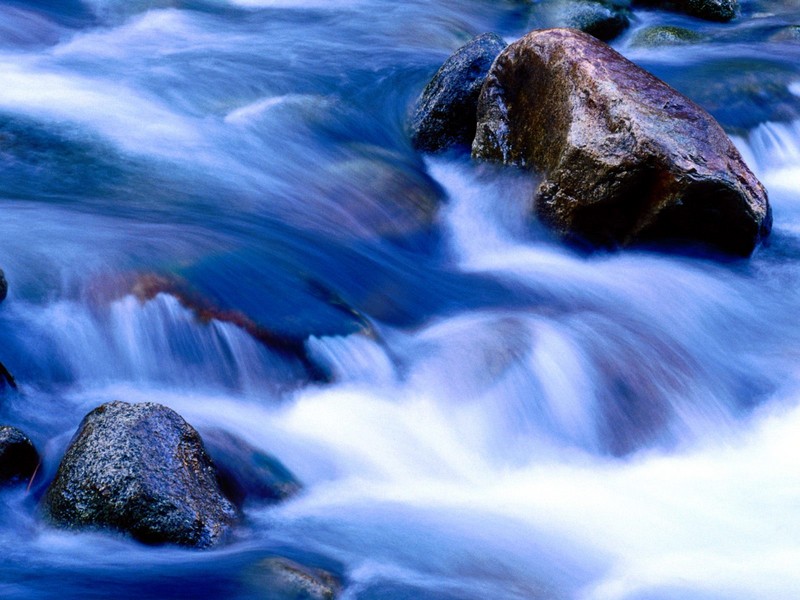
[[505, 417]]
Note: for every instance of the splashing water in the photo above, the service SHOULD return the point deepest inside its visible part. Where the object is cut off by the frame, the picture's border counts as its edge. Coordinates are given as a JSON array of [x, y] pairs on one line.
[[506, 418]]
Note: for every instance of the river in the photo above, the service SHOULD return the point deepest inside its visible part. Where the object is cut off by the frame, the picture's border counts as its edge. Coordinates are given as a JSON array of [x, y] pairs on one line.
[[506, 417]]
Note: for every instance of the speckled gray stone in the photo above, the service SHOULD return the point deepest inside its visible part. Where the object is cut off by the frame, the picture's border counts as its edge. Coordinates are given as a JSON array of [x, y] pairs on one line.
[[140, 469], [445, 112]]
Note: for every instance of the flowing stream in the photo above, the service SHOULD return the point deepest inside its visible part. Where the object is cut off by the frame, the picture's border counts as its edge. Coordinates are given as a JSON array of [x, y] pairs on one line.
[[506, 418]]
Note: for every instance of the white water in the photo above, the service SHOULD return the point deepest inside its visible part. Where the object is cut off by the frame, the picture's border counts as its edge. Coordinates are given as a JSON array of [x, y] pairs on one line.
[[621, 427]]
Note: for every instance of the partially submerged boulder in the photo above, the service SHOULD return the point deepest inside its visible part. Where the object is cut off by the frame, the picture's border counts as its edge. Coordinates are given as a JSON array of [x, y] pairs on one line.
[[625, 158], [666, 35], [790, 33], [711, 10], [445, 112], [603, 20], [278, 578], [140, 469], [18, 456], [247, 474]]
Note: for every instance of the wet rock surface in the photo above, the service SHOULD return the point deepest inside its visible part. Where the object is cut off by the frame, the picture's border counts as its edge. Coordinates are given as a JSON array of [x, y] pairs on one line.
[[603, 20], [247, 474], [665, 35], [790, 33], [445, 112], [278, 578], [711, 10], [18, 456], [140, 469], [626, 159]]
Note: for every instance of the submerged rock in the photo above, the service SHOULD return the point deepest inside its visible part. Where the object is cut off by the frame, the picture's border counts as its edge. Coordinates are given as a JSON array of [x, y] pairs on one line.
[[790, 33], [140, 469], [740, 92], [245, 473], [3, 286], [445, 112], [665, 35], [377, 195], [279, 578], [18, 456], [711, 10], [146, 286], [626, 159]]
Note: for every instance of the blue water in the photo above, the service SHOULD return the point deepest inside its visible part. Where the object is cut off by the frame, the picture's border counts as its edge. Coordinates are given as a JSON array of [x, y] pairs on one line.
[[475, 410]]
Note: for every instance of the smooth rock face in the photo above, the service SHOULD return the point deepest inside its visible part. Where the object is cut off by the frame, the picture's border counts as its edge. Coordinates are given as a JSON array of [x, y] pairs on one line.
[[140, 469], [712, 10], [626, 159], [445, 112], [18, 457]]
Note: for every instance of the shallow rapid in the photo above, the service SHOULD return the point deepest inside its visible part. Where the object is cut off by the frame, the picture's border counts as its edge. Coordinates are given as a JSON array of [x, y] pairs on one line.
[[500, 416]]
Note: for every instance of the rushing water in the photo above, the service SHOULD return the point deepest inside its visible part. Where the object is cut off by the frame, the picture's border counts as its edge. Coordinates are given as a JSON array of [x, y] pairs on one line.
[[506, 418]]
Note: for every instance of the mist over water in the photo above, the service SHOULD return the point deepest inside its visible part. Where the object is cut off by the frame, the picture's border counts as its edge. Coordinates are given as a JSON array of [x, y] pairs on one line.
[[506, 417]]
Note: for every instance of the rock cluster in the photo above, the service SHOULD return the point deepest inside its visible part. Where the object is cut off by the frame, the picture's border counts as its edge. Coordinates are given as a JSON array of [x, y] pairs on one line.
[[625, 159]]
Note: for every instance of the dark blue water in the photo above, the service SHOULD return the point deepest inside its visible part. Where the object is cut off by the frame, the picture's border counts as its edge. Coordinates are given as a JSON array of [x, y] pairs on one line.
[[475, 410]]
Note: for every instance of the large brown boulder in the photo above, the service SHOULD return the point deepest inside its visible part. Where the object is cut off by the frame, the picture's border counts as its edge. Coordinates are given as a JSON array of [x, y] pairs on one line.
[[625, 158]]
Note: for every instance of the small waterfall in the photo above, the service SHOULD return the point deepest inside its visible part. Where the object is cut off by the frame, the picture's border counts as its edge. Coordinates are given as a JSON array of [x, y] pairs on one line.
[[157, 342], [514, 420], [773, 152]]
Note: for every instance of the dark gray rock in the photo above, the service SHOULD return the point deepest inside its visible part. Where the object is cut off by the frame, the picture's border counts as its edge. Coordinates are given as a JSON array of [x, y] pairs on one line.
[[18, 456], [602, 20], [626, 159], [665, 35], [140, 469], [245, 473], [3, 286], [445, 112], [711, 10], [279, 578]]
